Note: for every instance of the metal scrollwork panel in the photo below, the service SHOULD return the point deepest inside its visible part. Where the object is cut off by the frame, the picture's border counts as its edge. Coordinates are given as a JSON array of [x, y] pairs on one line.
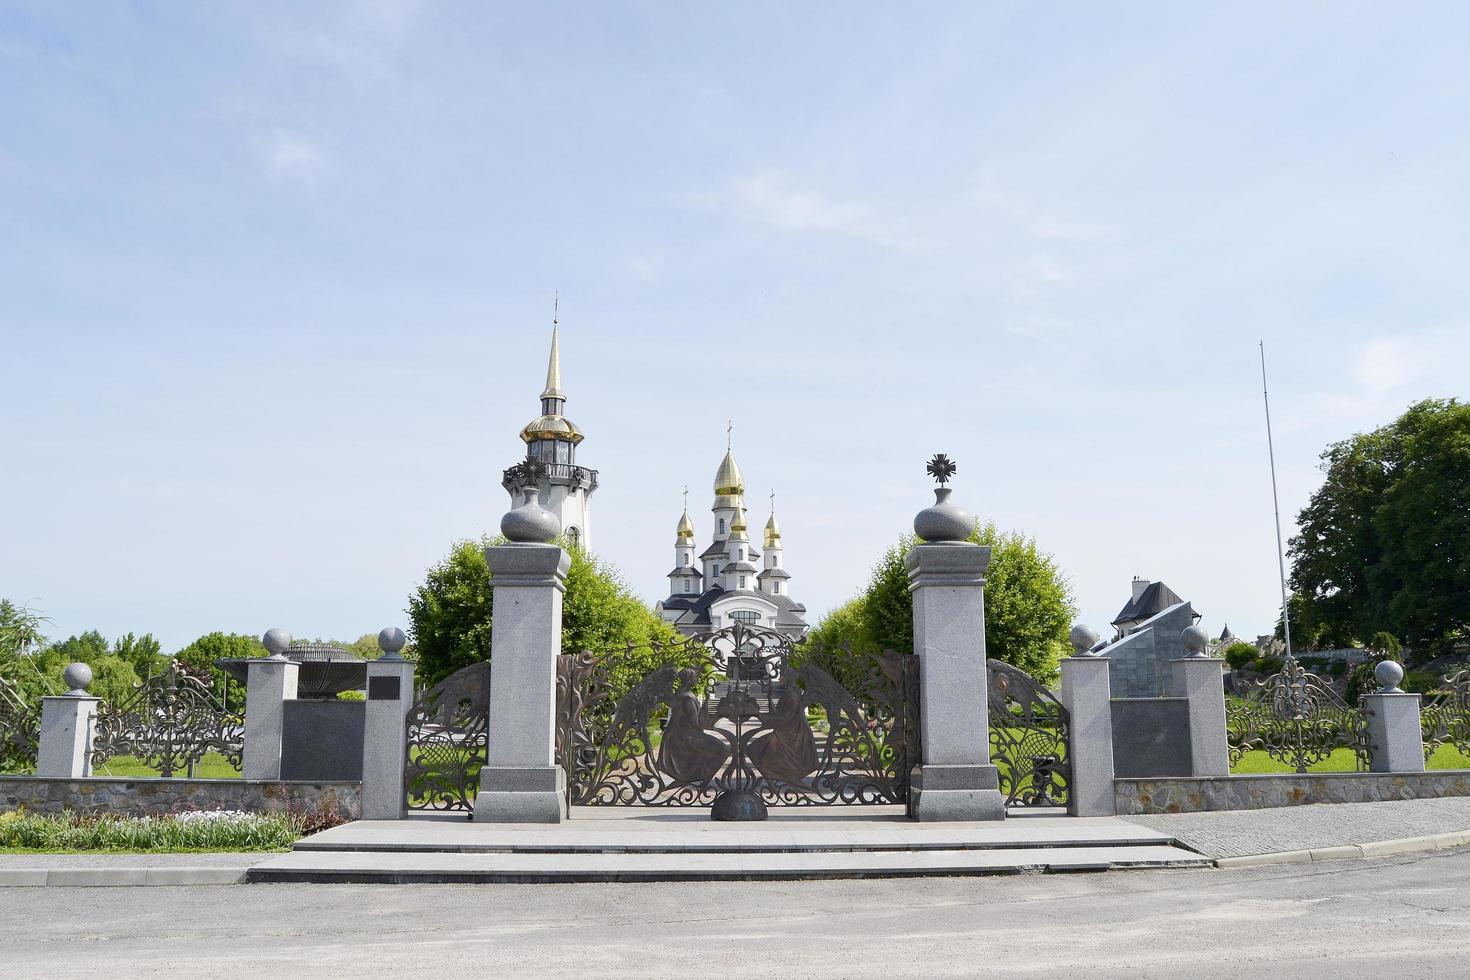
[[1297, 719], [1445, 717], [447, 741], [169, 723], [1029, 738], [739, 709], [20, 731]]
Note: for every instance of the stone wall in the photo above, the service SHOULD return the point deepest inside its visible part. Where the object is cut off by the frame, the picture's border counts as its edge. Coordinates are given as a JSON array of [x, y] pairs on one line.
[[140, 797], [1257, 792]]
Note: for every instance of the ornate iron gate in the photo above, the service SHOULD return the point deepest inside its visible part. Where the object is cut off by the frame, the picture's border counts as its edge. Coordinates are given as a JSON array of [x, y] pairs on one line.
[[1029, 738], [448, 739], [170, 722], [1297, 718], [739, 709]]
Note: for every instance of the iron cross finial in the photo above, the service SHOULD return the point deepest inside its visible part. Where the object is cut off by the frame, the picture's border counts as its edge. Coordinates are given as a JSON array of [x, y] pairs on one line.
[[941, 467], [729, 429]]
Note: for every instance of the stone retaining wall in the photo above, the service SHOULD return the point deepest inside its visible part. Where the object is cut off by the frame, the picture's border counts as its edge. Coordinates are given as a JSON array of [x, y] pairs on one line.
[[142, 797], [1256, 792]]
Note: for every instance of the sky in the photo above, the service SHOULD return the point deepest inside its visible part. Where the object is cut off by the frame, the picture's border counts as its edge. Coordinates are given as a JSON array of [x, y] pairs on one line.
[[276, 284]]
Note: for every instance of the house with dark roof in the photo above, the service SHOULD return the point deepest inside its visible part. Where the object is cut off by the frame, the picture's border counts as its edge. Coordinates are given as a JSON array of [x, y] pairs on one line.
[[1150, 634]]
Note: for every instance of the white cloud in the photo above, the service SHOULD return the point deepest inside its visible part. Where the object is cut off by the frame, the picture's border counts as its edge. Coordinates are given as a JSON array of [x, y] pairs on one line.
[[648, 268], [288, 156], [774, 199], [1386, 363]]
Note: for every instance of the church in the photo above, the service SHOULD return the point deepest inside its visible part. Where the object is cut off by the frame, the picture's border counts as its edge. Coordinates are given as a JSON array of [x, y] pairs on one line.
[[732, 582]]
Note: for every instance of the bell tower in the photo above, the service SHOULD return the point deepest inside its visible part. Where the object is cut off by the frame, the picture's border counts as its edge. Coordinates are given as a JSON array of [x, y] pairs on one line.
[[551, 458]]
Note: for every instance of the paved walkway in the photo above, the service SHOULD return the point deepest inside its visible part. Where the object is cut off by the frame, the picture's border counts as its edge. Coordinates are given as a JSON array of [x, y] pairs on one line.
[[1396, 917], [628, 843], [1237, 833]]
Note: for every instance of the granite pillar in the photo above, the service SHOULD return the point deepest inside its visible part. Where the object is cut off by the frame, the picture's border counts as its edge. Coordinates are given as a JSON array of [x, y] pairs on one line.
[[68, 725], [955, 779], [522, 782], [385, 736], [269, 683], [1395, 738], [1201, 680], [1087, 697]]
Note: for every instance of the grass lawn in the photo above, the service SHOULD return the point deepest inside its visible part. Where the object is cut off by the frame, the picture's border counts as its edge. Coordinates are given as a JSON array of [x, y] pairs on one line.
[[212, 766], [1342, 760]]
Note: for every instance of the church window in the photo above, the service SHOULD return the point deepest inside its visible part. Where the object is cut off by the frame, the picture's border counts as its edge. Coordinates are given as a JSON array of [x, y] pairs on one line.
[[745, 616], [742, 581], [722, 525], [574, 535]]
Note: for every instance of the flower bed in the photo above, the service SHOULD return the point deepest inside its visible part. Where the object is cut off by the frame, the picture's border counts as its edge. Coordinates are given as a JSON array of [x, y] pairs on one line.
[[190, 830]]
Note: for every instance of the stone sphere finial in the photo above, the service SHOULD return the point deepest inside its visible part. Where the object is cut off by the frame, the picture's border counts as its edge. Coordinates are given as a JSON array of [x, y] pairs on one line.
[[530, 523], [1388, 674], [391, 641], [1195, 640], [1083, 638], [276, 642], [77, 677]]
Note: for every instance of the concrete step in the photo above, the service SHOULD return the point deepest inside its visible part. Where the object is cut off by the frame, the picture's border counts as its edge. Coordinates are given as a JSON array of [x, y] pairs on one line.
[[380, 867], [649, 831]]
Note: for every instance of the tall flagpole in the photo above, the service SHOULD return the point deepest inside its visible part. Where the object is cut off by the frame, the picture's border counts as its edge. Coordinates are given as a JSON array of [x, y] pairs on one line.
[[1276, 502]]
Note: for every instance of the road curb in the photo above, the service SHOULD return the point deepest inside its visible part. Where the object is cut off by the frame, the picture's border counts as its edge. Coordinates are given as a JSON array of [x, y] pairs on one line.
[[1349, 852], [119, 877]]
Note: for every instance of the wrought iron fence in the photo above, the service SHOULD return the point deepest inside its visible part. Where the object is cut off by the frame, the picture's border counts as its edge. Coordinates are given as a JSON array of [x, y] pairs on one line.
[[448, 741], [1445, 717], [1029, 738], [169, 722], [738, 709], [20, 731], [1297, 719]]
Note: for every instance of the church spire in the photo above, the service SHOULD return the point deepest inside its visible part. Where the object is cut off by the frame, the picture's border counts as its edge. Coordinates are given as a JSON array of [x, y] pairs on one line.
[[553, 366]]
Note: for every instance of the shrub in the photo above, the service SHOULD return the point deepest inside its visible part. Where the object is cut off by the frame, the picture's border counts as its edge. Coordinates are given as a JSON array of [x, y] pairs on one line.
[[1386, 643], [1421, 682], [1238, 654], [1270, 665]]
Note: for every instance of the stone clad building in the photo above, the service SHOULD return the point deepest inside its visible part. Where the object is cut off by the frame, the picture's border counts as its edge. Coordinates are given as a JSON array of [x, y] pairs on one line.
[[730, 581], [1149, 635]]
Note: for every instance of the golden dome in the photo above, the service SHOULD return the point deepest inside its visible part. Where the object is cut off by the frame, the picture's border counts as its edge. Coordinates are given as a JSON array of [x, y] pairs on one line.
[[686, 527], [551, 427], [728, 481], [773, 533], [737, 523]]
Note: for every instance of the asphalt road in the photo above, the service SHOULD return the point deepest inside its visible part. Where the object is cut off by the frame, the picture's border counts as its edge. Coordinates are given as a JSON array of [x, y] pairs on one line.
[[1399, 917]]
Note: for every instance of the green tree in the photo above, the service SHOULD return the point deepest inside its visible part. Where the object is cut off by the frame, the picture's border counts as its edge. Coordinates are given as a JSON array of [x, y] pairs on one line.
[[143, 652], [1028, 605], [451, 612], [20, 630], [203, 652], [1384, 543], [83, 649]]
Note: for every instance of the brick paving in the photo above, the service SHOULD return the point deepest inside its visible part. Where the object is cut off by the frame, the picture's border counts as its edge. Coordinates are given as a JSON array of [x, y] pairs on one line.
[[1237, 833]]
